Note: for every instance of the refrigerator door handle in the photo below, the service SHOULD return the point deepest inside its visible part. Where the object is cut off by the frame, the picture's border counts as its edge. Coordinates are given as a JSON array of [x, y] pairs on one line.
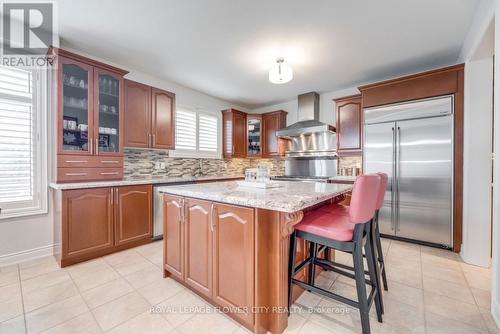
[[393, 188], [398, 162]]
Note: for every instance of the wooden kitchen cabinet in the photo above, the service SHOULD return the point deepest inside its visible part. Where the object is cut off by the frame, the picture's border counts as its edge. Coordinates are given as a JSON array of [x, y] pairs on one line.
[[133, 213], [163, 119], [254, 136], [149, 117], [234, 139], [272, 146], [349, 124], [87, 216], [233, 255], [202, 242], [89, 116], [137, 114], [173, 235], [99, 221], [198, 243]]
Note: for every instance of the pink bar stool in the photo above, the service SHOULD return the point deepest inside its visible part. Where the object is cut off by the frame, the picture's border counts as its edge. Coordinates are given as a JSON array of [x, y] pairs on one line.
[[339, 209], [348, 233]]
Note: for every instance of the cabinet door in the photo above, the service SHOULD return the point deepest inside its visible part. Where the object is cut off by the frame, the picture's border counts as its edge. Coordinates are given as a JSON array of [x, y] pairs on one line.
[[239, 135], [271, 123], [75, 107], [133, 213], [87, 221], [173, 235], [198, 245], [137, 117], [233, 254], [254, 135], [163, 119], [108, 120], [349, 124]]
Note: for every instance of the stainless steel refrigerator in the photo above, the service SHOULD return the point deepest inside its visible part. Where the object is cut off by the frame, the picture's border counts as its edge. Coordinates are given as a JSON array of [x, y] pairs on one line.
[[413, 143]]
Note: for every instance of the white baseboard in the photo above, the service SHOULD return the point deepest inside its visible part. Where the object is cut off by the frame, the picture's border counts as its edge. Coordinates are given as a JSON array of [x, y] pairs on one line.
[[26, 255], [495, 312]]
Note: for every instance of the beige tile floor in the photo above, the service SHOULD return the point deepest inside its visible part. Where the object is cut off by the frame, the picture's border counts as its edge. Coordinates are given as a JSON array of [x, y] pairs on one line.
[[430, 291]]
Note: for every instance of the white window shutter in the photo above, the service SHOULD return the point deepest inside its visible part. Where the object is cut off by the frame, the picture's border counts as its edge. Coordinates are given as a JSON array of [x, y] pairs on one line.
[[208, 133], [185, 130], [20, 160]]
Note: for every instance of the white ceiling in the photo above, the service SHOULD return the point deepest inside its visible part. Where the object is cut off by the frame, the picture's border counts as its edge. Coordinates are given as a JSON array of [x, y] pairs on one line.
[[225, 47]]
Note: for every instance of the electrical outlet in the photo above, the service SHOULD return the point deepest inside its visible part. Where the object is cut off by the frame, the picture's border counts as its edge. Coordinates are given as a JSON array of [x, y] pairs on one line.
[[162, 165], [157, 165]]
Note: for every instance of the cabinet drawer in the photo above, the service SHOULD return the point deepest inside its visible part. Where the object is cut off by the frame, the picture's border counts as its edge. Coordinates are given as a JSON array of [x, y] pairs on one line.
[[88, 174], [74, 161], [109, 162]]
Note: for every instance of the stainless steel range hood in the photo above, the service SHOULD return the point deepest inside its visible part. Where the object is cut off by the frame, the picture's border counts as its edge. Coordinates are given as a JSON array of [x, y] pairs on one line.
[[308, 118]]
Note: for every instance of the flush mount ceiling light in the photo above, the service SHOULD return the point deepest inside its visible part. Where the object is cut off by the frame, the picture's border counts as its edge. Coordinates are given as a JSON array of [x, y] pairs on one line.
[[280, 73]]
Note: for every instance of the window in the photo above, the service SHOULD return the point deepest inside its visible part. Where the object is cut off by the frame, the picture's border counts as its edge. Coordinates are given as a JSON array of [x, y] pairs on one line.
[[196, 134], [22, 178]]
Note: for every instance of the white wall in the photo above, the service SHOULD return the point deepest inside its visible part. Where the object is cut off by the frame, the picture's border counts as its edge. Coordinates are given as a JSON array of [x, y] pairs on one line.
[[326, 110], [476, 244], [495, 293]]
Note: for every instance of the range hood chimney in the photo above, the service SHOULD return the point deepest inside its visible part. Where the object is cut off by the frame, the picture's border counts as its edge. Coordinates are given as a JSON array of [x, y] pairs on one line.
[[308, 118]]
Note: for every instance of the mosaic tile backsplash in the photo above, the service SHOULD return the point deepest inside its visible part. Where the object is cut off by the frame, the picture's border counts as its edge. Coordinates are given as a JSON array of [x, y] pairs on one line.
[[140, 163]]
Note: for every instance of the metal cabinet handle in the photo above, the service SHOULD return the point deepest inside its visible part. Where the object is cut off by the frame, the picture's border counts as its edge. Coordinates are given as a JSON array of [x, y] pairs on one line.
[[213, 217], [393, 188], [109, 173], [109, 162], [75, 174], [116, 195], [97, 146], [398, 167], [76, 161]]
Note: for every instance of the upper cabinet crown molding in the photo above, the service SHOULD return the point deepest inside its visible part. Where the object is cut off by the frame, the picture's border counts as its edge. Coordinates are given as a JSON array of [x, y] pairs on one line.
[[64, 53], [418, 86]]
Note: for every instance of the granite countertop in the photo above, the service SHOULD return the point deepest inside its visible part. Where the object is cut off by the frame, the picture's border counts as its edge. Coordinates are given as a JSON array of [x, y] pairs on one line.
[[290, 197], [343, 178], [137, 181]]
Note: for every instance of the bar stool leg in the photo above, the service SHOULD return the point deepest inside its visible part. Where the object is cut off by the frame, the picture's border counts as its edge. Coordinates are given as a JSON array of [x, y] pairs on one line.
[[359, 273], [374, 257], [291, 267], [313, 250], [380, 254], [374, 278]]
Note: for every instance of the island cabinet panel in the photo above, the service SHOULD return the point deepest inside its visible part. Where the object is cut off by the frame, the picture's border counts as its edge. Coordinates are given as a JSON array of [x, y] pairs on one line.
[[87, 221], [349, 124], [173, 213], [137, 114], [272, 122], [233, 253], [198, 227], [133, 213]]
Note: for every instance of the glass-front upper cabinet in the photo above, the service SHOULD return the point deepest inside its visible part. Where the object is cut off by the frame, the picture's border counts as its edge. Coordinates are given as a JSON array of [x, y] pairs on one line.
[[75, 99], [108, 127], [254, 135]]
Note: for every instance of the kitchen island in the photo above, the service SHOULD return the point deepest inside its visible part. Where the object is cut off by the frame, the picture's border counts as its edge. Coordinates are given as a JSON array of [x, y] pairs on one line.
[[230, 244]]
